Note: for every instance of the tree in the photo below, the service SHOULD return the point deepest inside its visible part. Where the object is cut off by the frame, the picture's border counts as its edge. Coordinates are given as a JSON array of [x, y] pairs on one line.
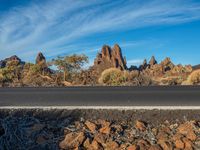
[[70, 64]]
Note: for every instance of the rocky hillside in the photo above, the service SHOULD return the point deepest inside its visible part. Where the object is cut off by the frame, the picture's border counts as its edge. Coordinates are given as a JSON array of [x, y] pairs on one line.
[[109, 68]]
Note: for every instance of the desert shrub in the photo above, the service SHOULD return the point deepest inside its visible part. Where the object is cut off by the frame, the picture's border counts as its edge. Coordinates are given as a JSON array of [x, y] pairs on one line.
[[113, 77], [194, 77], [35, 69], [133, 74], [7, 74]]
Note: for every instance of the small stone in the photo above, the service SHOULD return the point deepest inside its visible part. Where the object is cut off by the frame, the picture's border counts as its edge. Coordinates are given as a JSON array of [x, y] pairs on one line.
[[86, 144], [104, 122], [143, 144], [165, 145], [91, 146], [112, 145], [162, 136], [187, 129], [133, 147], [91, 126], [188, 144], [140, 125], [95, 145], [155, 147], [72, 140], [105, 130], [100, 138], [173, 126], [155, 131], [179, 144]]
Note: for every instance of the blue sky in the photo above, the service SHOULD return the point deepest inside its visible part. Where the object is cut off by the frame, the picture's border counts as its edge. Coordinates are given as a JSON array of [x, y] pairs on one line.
[[141, 27]]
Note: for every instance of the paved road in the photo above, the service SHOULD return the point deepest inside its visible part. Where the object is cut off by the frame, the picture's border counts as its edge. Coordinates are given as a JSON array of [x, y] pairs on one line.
[[100, 96]]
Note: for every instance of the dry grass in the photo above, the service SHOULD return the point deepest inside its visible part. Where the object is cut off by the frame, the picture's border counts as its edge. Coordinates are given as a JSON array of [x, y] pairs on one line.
[[113, 77]]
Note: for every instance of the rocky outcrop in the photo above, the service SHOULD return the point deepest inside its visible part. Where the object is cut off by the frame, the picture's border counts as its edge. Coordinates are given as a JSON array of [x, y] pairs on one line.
[[152, 61], [110, 58], [166, 66], [40, 59], [3, 63]]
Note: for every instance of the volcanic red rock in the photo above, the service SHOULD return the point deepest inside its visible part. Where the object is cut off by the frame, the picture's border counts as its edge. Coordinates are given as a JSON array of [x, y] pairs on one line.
[[91, 126], [109, 58], [40, 58], [187, 129], [72, 140], [140, 125], [152, 61]]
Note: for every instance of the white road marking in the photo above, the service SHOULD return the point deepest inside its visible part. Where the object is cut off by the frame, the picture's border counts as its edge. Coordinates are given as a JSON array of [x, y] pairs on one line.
[[105, 107]]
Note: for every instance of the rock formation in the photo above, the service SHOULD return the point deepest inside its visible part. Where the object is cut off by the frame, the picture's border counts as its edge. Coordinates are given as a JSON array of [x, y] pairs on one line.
[[109, 58], [3, 63], [152, 61], [166, 66], [40, 58]]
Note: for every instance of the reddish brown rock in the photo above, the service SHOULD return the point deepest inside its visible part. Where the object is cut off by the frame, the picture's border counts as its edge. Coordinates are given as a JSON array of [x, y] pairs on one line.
[[105, 130], [109, 58], [179, 144], [91, 126], [72, 140], [100, 138], [188, 145], [165, 145], [155, 147], [143, 144], [152, 61], [140, 125], [112, 145], [187, 129], [94, 145], [40, 59], [133, 147]]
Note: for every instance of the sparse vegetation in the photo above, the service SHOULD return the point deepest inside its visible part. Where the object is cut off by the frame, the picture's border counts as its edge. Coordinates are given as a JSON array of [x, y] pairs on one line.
[[109, 69], [113, 77], [70, 64]]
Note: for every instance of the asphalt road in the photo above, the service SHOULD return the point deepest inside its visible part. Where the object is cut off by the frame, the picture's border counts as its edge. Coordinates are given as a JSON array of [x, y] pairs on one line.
[[101, 96]]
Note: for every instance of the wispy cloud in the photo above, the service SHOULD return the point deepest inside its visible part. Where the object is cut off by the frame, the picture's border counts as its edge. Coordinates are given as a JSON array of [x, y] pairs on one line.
[[56, 27]]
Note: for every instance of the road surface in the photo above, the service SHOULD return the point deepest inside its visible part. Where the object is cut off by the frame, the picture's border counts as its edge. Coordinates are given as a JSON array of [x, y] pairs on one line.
[[100, 96]]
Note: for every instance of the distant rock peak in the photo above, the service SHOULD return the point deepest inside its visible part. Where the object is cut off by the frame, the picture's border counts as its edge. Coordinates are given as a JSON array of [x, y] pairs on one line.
[[40, 58], [3, 63], [110, 57]]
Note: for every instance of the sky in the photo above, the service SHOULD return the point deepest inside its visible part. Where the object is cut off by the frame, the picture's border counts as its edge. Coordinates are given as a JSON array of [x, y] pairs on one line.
[[142, 28]]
